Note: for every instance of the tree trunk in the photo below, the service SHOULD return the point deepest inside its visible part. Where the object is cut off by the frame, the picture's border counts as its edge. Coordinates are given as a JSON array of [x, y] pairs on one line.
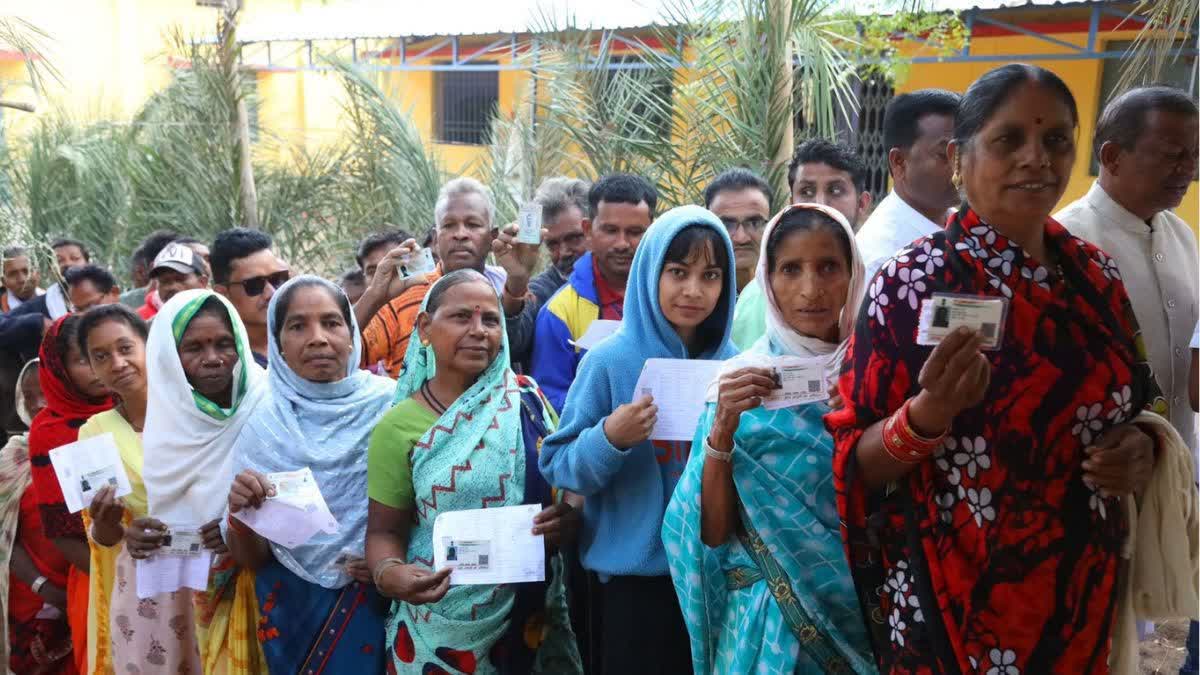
[[241, 121], [781, 53]]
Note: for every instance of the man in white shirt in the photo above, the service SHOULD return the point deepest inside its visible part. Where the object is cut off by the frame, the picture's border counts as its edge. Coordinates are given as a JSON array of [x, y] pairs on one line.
[[916, 128], [1146, 141]]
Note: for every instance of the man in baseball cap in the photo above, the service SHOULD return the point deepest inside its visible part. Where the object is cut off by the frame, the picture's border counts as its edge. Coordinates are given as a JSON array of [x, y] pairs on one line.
[[178, 268]]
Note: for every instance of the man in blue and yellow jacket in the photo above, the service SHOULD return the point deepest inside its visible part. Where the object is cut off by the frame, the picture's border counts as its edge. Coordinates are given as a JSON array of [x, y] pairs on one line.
[[620, 209]]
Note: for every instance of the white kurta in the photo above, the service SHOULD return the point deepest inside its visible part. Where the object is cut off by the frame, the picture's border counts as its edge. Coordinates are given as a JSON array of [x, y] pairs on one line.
[[1158, 263], [892, 226]]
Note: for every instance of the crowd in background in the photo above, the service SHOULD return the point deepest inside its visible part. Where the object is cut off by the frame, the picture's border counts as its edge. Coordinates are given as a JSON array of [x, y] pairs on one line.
[[1024, 509]]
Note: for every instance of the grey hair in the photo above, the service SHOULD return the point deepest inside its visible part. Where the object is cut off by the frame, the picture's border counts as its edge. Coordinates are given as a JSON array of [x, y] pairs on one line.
[[457, 188], [15, 251], [561, 193]]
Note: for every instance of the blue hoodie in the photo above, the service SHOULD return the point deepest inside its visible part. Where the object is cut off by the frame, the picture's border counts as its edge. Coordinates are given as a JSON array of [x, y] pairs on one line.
[[627, 491]]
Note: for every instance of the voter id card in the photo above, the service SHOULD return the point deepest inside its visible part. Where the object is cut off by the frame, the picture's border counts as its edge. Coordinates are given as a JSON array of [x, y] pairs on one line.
[[529, 224], [467, 555], [419, 262], [292, 484], [182, 540], [943, 313], [92, 482], [798, 381]]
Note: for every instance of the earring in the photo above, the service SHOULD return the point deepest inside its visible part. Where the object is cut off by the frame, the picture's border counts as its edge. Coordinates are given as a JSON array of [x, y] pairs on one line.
[[956, 179]]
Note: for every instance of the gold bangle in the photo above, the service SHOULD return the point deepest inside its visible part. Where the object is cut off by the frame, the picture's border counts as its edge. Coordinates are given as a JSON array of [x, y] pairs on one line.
[[383, 566]]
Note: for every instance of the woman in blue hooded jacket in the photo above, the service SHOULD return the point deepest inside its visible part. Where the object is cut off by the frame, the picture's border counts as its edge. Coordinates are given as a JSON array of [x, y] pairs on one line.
[[678, 304]]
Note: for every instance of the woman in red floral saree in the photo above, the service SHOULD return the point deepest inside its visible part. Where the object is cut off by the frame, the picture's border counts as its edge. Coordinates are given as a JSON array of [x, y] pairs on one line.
[[978, 490]]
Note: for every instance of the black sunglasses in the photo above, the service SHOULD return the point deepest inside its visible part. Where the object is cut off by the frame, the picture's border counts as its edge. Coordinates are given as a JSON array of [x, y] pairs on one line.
[[254, 286]]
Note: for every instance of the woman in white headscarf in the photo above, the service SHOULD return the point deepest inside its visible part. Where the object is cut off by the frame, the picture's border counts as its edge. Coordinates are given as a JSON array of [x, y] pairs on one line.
[[751, 532], [205, 386]]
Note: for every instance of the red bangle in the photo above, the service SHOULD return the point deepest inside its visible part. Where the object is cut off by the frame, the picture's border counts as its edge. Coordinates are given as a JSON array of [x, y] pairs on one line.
[[903, 444]]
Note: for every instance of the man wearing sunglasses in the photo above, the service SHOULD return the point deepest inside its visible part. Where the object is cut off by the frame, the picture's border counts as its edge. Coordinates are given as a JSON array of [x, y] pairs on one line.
[[246, 271]]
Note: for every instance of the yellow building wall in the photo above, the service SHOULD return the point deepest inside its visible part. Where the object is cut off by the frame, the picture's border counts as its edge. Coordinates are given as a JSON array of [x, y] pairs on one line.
[[1082, 76]]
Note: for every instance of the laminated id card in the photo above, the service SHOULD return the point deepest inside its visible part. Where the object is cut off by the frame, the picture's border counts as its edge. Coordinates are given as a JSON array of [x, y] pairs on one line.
[[420, 262], [182, 540], [467, 554], [529, 224], [943, 313], [799, 380]]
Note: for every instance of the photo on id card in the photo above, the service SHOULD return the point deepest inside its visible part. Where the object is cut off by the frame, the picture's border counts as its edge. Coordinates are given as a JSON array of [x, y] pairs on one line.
[[944, 313], [467, 555]]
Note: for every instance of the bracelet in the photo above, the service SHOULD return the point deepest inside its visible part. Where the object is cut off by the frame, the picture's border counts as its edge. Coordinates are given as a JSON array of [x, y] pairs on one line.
[[383, 566], [905, 445], [37, 584], [710, 451]]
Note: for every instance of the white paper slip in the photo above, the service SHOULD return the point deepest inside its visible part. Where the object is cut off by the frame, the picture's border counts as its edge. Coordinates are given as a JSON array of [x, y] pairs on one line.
[[86, 466], [295, 514], [168, 573], [943, 313], [596, 331], [529, 224], [678, 387], [800, 381], [420, 262], [490, 546]]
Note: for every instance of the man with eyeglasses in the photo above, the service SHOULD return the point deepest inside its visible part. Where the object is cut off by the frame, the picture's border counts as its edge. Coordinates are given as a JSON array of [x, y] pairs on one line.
[[564, 207], [246, 271], [742, 200]]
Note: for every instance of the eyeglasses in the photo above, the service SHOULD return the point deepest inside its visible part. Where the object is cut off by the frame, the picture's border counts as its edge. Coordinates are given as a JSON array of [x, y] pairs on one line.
[[752, 224], [254, 286]]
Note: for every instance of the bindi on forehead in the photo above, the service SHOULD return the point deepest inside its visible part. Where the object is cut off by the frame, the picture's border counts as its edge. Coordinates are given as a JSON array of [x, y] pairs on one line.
[[1037, 120]]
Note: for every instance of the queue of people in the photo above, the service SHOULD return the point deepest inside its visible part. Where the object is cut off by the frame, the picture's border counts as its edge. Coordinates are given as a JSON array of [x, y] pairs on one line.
[[1002, 504]]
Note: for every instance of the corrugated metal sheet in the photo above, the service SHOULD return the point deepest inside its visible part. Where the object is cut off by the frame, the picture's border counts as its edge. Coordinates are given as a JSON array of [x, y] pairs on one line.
[[402, 18]]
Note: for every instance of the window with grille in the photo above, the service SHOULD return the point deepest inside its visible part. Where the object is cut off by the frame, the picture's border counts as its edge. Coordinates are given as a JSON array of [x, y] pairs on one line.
[[653, 77], [463, 104], [874, 94], [1179, 72]]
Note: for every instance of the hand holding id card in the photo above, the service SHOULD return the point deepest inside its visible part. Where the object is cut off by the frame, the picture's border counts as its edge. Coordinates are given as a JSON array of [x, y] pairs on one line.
[[944, 313], [86, 466], [529, 224], [419, 262]]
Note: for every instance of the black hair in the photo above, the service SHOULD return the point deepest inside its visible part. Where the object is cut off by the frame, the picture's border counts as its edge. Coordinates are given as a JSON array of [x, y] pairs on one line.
[[63, 242], [389, 238], [153, 244], [235, 244], [455, 278], [14, 252], [212, 307], [67, 337], [284, 303], [736, 179], [994, 87], [101, 278], [902, 118], [1124, 119], [687, 243], [187, 240], [354, 276], [839, 156], [806, 220], [97, 315], [622, 188]]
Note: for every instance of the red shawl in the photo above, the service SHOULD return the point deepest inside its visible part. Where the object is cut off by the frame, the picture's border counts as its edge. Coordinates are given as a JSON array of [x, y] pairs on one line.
[[56, 425], [993, 555]]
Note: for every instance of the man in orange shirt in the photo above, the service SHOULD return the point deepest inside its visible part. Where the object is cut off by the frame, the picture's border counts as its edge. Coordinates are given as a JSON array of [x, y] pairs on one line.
[[463, 238]]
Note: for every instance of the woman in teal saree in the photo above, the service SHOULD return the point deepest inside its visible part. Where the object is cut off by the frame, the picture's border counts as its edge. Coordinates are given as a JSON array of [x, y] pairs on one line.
[[751, 532]]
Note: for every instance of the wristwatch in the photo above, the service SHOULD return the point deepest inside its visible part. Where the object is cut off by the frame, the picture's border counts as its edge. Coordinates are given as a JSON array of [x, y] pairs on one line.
[[37, 584], [709, 450]]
